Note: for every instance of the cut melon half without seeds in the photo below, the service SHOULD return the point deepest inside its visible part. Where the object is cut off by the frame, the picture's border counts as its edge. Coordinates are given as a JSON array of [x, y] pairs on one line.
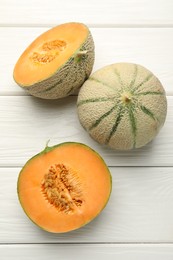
[[122, 105]]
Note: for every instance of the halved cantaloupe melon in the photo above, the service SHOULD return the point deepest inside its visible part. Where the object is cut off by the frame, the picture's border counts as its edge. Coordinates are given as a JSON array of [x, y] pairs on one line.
[[122, 105], [64, 187], [57, 62]]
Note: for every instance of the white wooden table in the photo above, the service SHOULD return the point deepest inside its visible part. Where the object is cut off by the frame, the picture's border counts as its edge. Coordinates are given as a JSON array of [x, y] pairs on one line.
[[138, 220]]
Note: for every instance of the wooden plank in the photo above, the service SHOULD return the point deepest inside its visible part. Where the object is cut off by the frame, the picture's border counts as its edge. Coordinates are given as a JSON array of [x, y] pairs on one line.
[[151, 48], [76, 251], [139, 211], [110, 12], [27, 123]]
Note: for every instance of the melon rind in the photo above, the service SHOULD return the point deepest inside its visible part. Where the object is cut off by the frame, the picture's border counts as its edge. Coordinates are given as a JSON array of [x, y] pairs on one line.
[[110, 121]]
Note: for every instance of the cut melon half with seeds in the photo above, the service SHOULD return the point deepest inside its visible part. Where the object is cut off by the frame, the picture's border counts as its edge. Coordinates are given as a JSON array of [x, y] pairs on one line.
[[122, 105], [64, 187], [57, 62]]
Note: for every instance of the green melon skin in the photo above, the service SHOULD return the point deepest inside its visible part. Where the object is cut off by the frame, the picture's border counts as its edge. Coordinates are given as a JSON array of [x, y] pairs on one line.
[[122, 105], [69, 77]]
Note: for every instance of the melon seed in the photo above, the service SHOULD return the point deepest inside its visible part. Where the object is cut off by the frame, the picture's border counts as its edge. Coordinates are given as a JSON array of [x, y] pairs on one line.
[[54, 45], [43, 57], [62, 188], [49, 51]]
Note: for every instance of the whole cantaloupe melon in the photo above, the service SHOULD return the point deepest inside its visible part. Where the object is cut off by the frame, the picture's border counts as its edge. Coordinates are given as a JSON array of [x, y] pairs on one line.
[[122, 105], [57, 62]]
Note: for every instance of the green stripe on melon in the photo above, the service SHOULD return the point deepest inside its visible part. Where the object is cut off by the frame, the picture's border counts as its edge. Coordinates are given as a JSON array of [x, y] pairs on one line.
[[122, 105]]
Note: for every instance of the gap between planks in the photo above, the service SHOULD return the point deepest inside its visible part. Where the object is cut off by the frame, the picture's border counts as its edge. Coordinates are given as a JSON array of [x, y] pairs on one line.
[[90, 243], [104, 26]]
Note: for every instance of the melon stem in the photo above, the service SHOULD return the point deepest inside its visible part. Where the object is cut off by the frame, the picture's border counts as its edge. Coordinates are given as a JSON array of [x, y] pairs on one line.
[[48, 141], [47, 148], [126, 98], [82, 52], [80, 55]]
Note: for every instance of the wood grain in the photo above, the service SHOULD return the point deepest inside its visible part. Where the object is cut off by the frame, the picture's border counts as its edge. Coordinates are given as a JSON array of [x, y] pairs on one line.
[[78, 251], [139, 210], [100, 13]]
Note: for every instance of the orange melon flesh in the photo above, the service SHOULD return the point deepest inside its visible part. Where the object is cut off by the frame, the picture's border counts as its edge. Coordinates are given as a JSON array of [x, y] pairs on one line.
[[91, 171], [28, 72]]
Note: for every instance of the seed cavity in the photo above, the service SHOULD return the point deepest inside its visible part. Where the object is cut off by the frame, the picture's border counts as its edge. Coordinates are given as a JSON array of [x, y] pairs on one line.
[[48, 51], [43, 57], [54, 45], [61, 186]]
